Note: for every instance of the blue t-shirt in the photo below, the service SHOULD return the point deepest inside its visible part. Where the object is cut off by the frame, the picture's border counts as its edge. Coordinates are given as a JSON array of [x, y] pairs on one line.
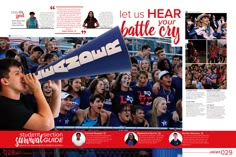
[[75, 103], [163, 121], [65, 119], [122, 98], [143, 96], [115, 121], [2, 55], [84, 99], [170, 98], [177, 85]]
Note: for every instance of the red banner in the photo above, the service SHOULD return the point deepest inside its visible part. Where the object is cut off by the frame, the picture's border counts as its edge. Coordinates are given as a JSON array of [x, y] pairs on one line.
[[117, 139]]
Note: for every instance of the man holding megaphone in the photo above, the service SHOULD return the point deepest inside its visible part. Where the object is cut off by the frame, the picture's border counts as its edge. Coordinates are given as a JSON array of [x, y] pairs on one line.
[[14, 113]]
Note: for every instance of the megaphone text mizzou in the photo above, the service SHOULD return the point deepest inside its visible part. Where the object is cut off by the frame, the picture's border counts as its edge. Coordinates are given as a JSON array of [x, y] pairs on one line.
[[106, 53]]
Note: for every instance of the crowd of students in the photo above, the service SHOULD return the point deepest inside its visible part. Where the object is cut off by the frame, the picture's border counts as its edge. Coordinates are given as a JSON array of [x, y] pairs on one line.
[[206, 76], [150, 95]]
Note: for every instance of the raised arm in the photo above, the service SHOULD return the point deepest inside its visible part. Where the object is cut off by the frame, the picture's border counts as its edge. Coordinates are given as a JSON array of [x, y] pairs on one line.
[[55, 103]]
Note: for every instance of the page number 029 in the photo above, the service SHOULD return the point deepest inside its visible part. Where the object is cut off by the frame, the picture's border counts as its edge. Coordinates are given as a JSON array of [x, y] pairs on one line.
[[226, 152]]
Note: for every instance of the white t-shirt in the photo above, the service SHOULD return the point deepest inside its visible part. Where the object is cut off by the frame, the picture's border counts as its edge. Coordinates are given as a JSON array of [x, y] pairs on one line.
[[78, 142]]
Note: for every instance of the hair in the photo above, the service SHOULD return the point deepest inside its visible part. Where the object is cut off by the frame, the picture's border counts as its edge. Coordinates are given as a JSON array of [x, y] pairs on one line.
[[156, 101], [37, 48], [117, 86], [93, 84], [48, 56], [136, 65], [24, 64], [121, 107], [21, 46], [46, 45], [175, 56], [30, 47], [78, 42], [133, 60], [157, 49], [161, 65], [144, 47], [78, 133], [31, 13], [5, 65], [135, 108], [134, 140], [142, 73], [93, 97], [175, 134], [70, 81], [52, 39], [88, 17], [11, 53], [153, 75]]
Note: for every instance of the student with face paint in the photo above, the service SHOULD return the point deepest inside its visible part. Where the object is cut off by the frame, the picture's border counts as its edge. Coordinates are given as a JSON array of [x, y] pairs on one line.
[[143, 92], [94, 115], [123, 95], [167, 92]]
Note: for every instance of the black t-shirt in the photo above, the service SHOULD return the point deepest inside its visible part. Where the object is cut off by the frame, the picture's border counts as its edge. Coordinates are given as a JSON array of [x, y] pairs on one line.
[[91, 22], [175, 143], [13, 114]]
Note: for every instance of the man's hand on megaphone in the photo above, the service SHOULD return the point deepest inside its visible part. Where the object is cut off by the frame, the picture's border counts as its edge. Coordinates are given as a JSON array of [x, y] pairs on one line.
[[32, 82]]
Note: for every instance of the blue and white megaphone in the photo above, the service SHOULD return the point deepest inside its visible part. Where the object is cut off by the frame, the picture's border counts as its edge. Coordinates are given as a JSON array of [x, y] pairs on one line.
[[105, 54]]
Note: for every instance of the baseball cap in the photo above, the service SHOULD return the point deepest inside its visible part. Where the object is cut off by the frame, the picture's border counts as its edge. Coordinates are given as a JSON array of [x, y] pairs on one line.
[[163, 73], [65, 95], [201, 16]]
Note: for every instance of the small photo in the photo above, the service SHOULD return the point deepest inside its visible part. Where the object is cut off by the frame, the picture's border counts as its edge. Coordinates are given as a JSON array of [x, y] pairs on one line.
[[207, 26], [131, 138], [32, 22], [78, 138], [91, 21], [206, 76], [217, 51], [175, 139], [196, 51]]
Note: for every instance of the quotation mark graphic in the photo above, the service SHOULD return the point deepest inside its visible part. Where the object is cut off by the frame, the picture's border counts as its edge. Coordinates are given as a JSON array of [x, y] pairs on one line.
[[52, 7], [83, 31]]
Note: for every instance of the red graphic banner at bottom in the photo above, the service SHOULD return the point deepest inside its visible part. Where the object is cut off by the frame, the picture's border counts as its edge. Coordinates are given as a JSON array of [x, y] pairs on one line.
[[117, 139]]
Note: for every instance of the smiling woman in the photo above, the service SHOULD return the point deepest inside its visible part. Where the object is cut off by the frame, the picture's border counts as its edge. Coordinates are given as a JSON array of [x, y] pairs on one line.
[[159, 116]]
